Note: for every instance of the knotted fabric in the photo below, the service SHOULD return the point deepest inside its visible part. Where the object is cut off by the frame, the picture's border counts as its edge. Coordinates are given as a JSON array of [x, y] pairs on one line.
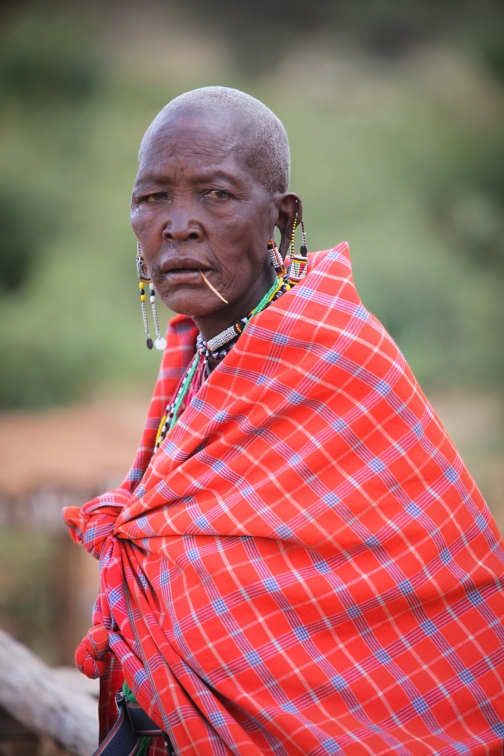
[[91, 652], [305, 566]]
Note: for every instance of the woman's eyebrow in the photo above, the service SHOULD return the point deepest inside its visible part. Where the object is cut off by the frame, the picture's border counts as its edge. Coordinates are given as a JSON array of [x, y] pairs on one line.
[[150, 180], [196, 177]]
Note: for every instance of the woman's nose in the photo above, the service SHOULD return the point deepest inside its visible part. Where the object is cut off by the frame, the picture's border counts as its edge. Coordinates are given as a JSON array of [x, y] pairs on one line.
[[181, 228]]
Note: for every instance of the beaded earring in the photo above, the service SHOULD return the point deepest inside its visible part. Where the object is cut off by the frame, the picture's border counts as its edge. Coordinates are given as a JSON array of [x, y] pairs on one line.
[[276, 258], [298, 263], [144, 278]]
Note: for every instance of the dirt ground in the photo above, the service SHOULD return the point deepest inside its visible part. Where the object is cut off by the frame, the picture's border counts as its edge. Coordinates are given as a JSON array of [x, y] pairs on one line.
[[81, 447]]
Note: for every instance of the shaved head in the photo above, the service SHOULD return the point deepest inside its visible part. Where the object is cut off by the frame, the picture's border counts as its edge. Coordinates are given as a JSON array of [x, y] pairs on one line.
[[267, 144]]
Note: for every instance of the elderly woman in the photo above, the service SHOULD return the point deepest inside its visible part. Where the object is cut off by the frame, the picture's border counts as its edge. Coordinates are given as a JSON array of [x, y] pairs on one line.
[[298, 561]]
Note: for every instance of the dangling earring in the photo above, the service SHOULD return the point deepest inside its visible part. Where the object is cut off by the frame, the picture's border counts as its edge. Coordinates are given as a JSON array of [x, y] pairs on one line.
[[143, 275], [298, 263], [276, 258]]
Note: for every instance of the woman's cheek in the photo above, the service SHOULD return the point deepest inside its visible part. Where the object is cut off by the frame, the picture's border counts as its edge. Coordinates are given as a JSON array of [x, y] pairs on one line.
[[143, 220]]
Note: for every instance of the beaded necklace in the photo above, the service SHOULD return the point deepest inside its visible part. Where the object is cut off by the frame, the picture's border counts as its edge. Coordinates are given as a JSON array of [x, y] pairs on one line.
[[217, 348]]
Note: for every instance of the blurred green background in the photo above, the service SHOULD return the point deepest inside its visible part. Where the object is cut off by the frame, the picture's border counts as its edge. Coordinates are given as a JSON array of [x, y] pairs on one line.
[[395, 116], [394, 109]]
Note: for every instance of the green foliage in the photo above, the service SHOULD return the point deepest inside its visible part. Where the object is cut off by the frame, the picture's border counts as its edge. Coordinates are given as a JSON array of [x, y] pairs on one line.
[[492, 50], [18, 246], [43, 58], [468, 201], [37, 373], [263, 31]]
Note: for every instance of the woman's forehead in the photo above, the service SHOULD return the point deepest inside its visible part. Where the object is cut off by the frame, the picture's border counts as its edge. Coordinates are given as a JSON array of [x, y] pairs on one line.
[[195, 169], [198, 138], [194, 147]]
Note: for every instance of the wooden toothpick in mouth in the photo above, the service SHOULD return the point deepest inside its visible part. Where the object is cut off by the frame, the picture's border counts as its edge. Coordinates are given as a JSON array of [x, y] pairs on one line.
[[205, 279]]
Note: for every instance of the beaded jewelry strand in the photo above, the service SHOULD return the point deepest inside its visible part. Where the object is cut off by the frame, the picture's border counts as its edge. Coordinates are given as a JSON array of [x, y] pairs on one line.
[[298, 263], [230, 335], [144, 278], [171, 414], [276, 258]]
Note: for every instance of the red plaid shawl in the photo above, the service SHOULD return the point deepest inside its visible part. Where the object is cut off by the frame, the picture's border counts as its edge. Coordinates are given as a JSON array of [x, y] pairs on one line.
[[305, 566]]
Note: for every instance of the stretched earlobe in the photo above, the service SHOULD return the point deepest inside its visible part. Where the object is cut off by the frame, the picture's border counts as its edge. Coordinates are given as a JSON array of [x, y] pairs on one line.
[[290, 214]]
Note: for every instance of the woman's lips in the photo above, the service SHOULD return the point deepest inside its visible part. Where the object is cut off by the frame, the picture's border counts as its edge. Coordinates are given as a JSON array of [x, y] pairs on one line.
[[184, 276]]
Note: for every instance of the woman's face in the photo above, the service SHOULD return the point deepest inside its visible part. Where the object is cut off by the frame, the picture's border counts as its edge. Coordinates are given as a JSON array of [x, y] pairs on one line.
[[197, 205]]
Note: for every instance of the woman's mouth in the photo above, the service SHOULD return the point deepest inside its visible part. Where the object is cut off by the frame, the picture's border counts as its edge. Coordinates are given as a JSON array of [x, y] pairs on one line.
[[184, 276]]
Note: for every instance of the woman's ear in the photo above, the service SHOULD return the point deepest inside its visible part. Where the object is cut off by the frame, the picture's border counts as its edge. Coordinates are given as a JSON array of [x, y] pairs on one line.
[[289, 207]]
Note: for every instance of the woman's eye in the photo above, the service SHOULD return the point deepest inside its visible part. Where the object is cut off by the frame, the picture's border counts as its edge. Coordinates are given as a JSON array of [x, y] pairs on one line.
[[216, 194], [157, 197]]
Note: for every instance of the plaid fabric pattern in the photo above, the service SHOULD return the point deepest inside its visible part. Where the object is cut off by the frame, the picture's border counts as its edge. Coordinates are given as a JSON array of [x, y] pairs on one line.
[[110, 683], [305, 566]]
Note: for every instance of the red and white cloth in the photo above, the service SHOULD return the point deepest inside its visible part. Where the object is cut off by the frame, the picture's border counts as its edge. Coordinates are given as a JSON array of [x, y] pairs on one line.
[[305, 566]]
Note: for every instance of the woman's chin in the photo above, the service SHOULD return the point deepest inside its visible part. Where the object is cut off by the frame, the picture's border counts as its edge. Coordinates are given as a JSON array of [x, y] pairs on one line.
[[193, 304]]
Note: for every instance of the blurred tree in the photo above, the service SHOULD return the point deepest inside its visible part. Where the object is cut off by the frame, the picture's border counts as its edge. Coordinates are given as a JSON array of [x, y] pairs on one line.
[[492, 48], [469, 204], [43, 56], [49, 73], [44, 369], [262, 31], [18, 239]]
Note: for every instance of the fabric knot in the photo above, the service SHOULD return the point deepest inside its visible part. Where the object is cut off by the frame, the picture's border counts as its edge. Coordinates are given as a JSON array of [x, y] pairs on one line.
[[91, 652], [92, 524]]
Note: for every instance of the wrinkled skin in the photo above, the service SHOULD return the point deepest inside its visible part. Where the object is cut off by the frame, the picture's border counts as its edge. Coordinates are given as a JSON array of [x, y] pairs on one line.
[[198, 204]]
